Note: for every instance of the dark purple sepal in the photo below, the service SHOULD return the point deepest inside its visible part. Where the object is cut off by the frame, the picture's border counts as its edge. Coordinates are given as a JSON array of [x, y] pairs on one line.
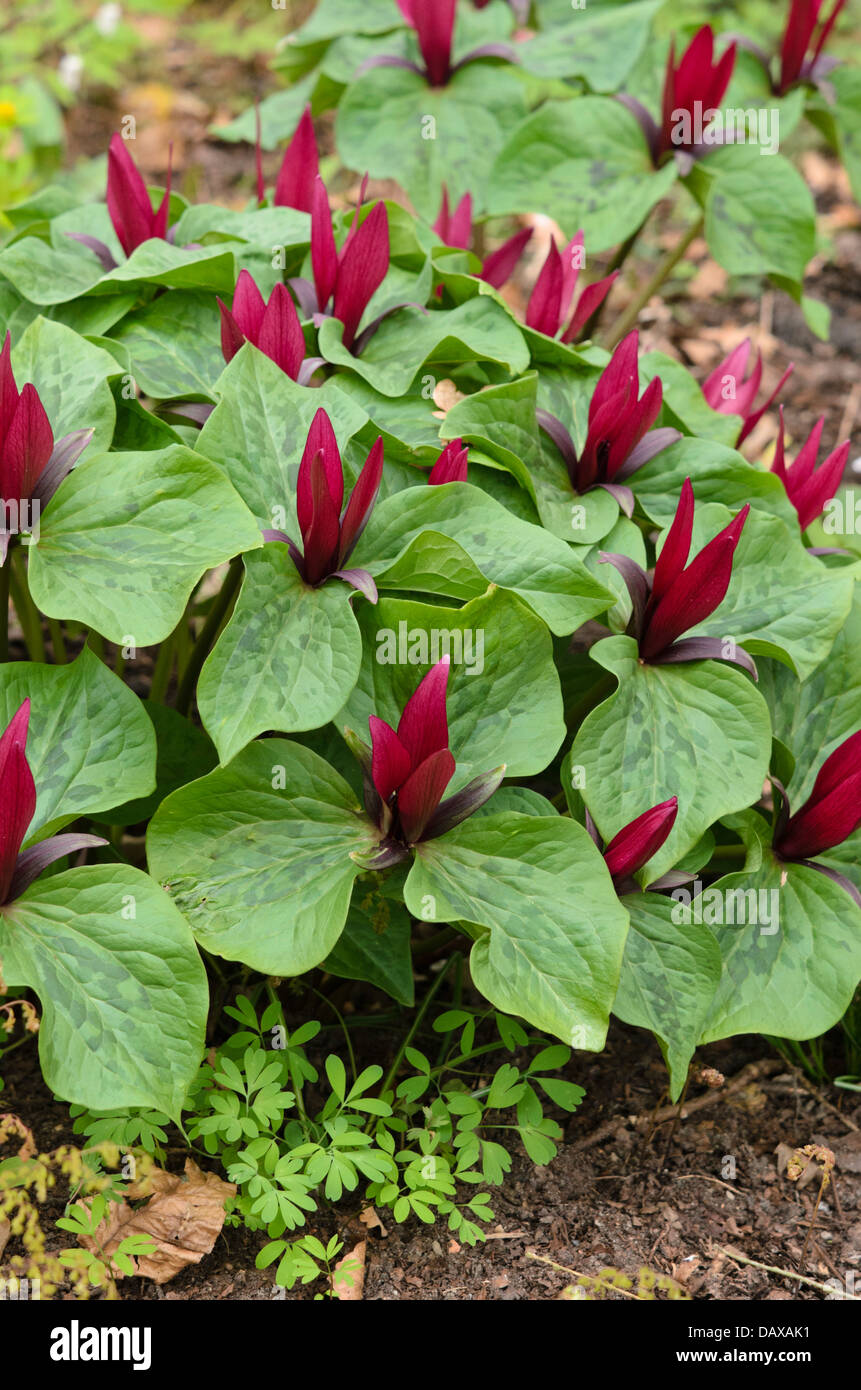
[[361, 342], [188, 412], [389, 60], [561, 438], [592, 829], [305, 294], [650, 445], [295, 553], [387, 854], [487, 50], [636, 582], [65, 455], [648, 124], [833, 874], [782, 818], [98, 248], [623, 495], [676, 878], [360, 580], [308, 368], [704, 649], [464, 803], [829, 550], [34, 860]]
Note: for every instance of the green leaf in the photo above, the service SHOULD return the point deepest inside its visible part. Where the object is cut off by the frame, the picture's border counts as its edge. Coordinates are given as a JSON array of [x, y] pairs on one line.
[[791, 607], [258, 431], [90, 744], [71, 376], [45, 274], [699, 731], [600, 46], [584, 163], [174, 344], [718, 474], [792, 968], [478, 330], [128, 536], [287, 659], [184, 754], [670, 972], [455, 539], [122, 987], [157, 262], [552, 929], [375, 946], [760, 217], [503, 701], [258, 856], [423, 141]]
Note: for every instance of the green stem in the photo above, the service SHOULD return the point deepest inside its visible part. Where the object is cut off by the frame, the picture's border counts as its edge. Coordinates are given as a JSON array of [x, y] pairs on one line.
[[163, 669], [417, 1023], [96, 643], [616, 262], [339, 1016], [728, 852], [58, 644], [28, 613], [5, 577], [626, 321], [205, 641]]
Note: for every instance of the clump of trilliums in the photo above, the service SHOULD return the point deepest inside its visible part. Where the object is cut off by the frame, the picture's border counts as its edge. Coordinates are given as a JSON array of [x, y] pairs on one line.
[[732, 390], [808, 486], [432, 21], [678, 595], [635, 844], [829, 816], [32, 465], [406, 771], [17, 807], [328, 536], [552, 296], [130, 207], [620, 438], [694, 88]]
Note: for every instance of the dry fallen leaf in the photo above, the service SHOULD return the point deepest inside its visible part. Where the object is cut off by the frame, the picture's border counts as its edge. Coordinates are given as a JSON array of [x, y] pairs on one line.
[[355, 1261], [184, 1216], [5, 1232], [446, 396], [370, 1217]]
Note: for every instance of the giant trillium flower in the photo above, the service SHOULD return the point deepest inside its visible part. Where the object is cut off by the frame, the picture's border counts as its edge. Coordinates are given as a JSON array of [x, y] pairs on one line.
[[452, 464], [129, 206], [345, 280], [829, 816], [620, 438], [406, 771], [730, 390], [679, 595], [802, 60], [32, 465], [17, 807], [809, 487], [694, 88], [300, 168], [328, 537], [636, 843], [272, 327], [455, 229], [433, 24]]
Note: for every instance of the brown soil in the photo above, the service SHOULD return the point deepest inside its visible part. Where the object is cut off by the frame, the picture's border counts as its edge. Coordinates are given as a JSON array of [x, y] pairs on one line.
[[613, 1197]]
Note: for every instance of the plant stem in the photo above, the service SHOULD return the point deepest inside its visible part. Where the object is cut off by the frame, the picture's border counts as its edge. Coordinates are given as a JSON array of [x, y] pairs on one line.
[[5, 577], [626, 321], [96, 643], [205, 641], [417, 1022], [616, 262], [58, 644], [163, 669], [28, 613]]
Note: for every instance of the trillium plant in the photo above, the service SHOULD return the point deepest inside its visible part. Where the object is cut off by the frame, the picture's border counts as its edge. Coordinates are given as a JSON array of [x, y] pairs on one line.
[[388, 597]]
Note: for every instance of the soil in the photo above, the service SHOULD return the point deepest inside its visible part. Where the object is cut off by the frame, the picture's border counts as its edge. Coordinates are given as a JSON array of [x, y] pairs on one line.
[[684, 1195], [628, 1189]]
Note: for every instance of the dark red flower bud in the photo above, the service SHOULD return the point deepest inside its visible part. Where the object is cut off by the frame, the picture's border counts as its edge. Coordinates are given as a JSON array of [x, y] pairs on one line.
[[129, 203]]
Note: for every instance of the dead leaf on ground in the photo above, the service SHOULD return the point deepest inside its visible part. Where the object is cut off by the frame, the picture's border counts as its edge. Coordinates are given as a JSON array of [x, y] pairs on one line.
[[5, 1232], [355, 1262], [446, 396], [370, 1217], [184, 1216]]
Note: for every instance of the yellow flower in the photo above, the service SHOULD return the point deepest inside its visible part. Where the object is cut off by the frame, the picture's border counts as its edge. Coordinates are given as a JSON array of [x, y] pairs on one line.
[[8, 113]]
